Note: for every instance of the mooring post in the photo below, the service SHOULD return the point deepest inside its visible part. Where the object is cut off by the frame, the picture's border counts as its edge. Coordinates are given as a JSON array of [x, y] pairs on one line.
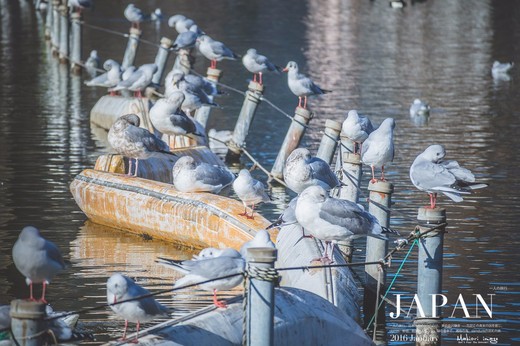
[[329, 141], [55, 38], [292, 139], [245, 118], [76, 30], [380, 198], [184, 61], [64, 34], [260, 297], [161, 59], [202, 114], [429, 275], [27, 322], [131, 48], [48, 21]]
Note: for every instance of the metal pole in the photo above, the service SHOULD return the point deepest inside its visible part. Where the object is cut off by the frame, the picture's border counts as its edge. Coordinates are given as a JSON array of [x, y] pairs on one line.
[[48, 21], [64, 34], [376, 249], [76, 30], [329, 141], [27, 322], [55, 38], [429, 276], [161, 59], [245, 118], [131, 48], [202, 114], [292, 139], [184, 62], [260, 298]]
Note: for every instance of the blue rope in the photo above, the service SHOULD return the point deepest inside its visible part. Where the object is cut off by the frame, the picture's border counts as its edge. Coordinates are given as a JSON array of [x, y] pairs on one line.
[[391, 283]]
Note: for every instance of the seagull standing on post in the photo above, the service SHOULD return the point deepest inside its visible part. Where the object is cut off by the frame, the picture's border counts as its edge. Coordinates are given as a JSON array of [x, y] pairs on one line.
[[250, 191], [258, 64], [301, 85], [378, 148], [215, 50]]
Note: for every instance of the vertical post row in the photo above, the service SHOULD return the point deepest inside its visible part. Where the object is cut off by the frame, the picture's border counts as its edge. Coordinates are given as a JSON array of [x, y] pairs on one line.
[[329, 141], [161, 59], [131, 48], [27, 322], [64, 34]]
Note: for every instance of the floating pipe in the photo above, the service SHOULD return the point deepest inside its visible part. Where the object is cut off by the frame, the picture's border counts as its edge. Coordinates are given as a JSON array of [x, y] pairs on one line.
[[329, 141], [76, 30], [131, 48], [161, 59], [64, 34], [245, 118], [202, 114], [429, 275], [260, 298], [292, 139], [27, 322], [376, 249]]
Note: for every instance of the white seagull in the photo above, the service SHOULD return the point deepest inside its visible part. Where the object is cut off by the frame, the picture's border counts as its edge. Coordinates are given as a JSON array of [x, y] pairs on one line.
[[431, 174], [500, 70], [37, 259], [302, 170], [250, 191], [180, 23], [190, 176], [121, 288], [419, 107], [258, 64], [108, 79], [357, 127], [130, 140], [215, 50], [378, 148], [301, 85], [261, 239], [134, 15], [137, 81]]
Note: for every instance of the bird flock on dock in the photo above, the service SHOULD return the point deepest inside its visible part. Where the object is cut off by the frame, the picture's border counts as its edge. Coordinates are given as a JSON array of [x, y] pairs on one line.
[[316, 206]]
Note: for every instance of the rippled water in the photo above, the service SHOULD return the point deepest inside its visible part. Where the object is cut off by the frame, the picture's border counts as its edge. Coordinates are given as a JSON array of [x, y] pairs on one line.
[[375, 59]]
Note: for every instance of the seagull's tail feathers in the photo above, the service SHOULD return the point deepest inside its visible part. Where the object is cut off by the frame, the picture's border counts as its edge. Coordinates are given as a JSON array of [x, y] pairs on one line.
[[171, 263]]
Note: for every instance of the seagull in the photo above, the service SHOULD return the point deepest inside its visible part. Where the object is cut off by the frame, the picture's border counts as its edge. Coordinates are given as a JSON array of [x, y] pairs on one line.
[[137, 81], [214, 50], [108, 79], [194, 97], [332, 219], [211, 252], [134, 15], [500, 70], [198, 90], [92, 63], [37, 259], [190, 176], [261, 239], [378, 148], [419, 107], [79, 5], [258, 64], [288, 217], [187, 39], [202, 270], [431, 174], [156, 15], [301, 85], [302, 170], [166, 116], [357, 127], [120, 289], [250, 191], [132, 141], [180, 23]]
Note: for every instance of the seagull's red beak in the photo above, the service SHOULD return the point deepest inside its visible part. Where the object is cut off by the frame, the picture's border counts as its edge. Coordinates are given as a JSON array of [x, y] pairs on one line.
[[285, 69]]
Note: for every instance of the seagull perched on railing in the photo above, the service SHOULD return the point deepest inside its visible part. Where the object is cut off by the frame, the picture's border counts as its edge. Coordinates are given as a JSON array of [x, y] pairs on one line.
[[215, 50], [180, 23], [301, 85], [134, 15], [250, 191], [37, 258], [187, 39], [431, 174], [121, 288], [302, 170], [92, 63], [258, 64], [378, 148], [108, 79], [261, 239], [130, 140]]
